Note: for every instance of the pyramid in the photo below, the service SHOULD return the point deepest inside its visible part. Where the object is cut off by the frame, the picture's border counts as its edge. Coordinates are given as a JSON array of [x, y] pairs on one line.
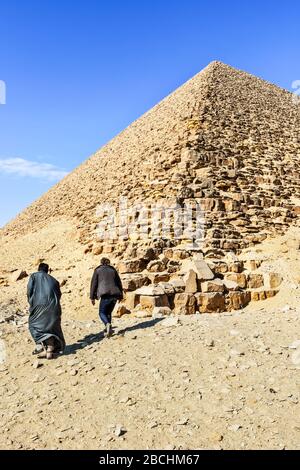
[[225, 141]]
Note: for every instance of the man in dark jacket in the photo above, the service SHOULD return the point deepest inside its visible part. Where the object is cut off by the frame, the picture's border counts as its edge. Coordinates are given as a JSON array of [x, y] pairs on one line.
[[43, 293], [106, 286]]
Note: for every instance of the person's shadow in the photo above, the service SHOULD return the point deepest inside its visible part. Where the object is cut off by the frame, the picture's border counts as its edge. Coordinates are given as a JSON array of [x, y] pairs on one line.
[[140, 326], [96, 338], [83, 343]]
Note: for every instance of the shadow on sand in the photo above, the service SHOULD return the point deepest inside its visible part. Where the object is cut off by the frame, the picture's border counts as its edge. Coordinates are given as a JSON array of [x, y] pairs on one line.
[[97, 338]]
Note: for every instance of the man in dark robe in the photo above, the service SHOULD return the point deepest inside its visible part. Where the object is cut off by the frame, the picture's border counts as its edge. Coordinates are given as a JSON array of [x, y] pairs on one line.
[[106, 286], [43, 293]]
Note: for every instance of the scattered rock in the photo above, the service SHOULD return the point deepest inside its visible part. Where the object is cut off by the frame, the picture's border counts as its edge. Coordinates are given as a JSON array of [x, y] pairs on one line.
[[119, 431], [18, 275]]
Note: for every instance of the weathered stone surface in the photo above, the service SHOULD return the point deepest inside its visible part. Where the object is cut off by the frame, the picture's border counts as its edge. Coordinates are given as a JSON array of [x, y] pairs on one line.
[[156, 266], [131, 300], [167, 287], [142, 313], [238, 300], [152, 289], [159, 277], [216, 285], [120, 310], [190, 280], [201, 145], [211, 302], [97, 250], [151, 301], [146, 253], [203, 271], [236, 267], [273, 280], [178, 284], [255, 281], [239, 278], [161, 311], [184, 304], [231, 285], [218, 267], [132, 282], [132, 266], [262, 294]]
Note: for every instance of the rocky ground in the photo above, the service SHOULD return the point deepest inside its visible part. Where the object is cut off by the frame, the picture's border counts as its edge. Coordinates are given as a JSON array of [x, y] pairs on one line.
[[221, 381]]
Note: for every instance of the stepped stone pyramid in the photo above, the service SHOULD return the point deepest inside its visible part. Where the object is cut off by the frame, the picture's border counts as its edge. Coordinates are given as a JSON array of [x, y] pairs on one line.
[[225, 140]]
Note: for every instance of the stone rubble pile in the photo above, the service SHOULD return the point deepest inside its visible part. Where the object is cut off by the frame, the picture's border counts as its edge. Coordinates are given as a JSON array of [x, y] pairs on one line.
[[197, 286]]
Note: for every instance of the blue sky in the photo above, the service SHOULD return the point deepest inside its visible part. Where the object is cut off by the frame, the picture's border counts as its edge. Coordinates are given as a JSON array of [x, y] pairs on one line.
[[78, 72]]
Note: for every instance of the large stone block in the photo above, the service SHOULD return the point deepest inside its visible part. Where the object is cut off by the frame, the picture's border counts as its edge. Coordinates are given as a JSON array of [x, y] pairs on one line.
[[134, 281], [152, 289], [216, 285], [185, 304], [252, 264], [201, 268], [239, 278], [255, 281], [150, 301], [236, 267], [273, 280], [209, 302], [238, 300], [262, 294], [156, 266], [120, 310], [178, 284], [190, 280], [159, 277], [131, 300], [132, 266], [231, 285]]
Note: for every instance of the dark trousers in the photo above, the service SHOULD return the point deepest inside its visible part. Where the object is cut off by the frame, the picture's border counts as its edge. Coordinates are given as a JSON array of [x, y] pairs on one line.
[[106, 307]]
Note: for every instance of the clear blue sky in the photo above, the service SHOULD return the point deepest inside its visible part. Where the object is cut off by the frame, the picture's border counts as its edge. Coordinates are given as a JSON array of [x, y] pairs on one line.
[[78, 72]]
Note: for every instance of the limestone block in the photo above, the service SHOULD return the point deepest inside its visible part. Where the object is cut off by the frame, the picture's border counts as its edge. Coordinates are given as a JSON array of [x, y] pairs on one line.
[[156, 266], [201, 268], [131, 300], [151, 290], [210, 302], [151, 301], [239, 278], [120, 310], [231, 285], [132, 266], [238, 300], [178, 284], [134, 281], [255, 281], [184, 304], [273, 280], [190, 280], [216, 285], [159, 277]]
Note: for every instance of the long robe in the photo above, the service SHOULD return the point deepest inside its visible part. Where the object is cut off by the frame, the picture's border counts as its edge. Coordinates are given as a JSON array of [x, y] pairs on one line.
[[44, 295]]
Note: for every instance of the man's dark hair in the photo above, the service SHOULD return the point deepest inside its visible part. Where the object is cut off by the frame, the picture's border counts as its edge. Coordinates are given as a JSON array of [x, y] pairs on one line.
[[44, 267], [105, 262]]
